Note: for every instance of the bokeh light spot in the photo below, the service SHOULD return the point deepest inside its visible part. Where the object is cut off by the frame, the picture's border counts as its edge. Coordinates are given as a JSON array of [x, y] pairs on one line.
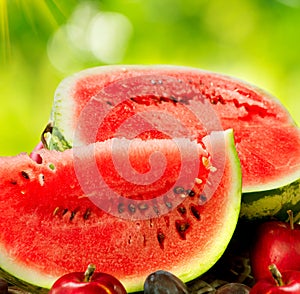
[[90, 36]]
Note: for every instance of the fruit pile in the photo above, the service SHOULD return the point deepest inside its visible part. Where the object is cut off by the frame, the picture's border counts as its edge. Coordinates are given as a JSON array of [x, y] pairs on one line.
[[163, 179]]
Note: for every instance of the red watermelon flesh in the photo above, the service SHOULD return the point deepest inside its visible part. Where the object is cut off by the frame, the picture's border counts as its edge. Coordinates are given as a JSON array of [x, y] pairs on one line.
[[58, 215], [168, 101]]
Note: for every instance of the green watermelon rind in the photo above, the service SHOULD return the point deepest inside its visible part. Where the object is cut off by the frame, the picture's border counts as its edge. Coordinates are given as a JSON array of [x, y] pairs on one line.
[[272, 203], [58, 141], [279, 184], [19, 275], [22, 284]]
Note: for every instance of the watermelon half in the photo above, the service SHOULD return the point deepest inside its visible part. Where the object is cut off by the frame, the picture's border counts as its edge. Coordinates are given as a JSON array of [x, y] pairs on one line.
[[167, 101], [130, 206]]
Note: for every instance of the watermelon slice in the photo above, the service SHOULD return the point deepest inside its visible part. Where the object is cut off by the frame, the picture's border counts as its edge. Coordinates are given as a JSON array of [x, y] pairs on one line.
[[130, 206], [167, 101]]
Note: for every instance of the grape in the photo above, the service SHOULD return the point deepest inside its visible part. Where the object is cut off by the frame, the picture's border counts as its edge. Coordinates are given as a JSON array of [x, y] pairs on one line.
[[3, 286], [235, 288], [163, 282]]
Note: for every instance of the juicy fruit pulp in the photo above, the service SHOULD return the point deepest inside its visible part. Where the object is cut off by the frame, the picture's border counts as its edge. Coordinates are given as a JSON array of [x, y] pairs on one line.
[[50, 226], [263, 129], [166, 102]]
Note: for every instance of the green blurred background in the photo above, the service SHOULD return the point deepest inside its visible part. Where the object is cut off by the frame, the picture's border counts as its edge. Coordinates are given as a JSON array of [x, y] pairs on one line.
[[43, 41]]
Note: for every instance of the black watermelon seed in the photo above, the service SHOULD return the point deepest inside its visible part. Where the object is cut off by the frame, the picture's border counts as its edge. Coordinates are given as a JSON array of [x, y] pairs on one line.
[[168, 204], [87, 213], [129, 240], [25, 175], [190, 193], [65, 211], [73, 213], [182, 227], [179, 190], [131, 207], [195, 211], [121, 207], [143, 206], [181, 209], [174, 99], [155, 209], [203, 198], [161, 238], [13, 182]]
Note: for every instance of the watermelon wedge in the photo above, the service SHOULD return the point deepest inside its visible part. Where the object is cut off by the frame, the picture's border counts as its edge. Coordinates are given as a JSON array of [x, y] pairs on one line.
[[130, 206], [168, 101]]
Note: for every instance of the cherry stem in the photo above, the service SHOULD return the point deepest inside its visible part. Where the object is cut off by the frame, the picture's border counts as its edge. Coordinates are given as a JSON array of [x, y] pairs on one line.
[[89, 273], [276, 274], [291, 219]]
